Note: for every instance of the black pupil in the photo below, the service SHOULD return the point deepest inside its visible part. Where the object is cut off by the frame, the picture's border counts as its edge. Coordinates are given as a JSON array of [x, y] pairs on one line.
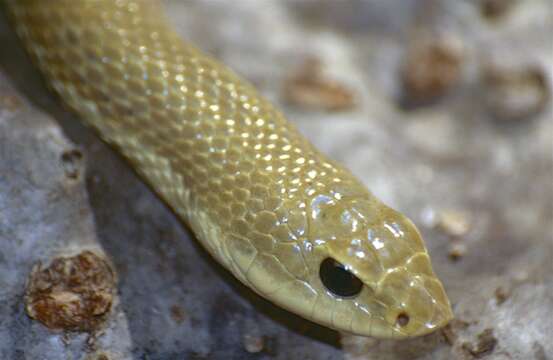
[[338, 280]]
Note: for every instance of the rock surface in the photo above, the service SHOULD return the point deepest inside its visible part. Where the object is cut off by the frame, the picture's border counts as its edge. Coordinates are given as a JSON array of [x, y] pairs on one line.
[[478, 186]]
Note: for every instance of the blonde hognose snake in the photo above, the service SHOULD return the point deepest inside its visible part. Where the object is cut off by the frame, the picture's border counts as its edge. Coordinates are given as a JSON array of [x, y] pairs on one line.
[[294, 226]]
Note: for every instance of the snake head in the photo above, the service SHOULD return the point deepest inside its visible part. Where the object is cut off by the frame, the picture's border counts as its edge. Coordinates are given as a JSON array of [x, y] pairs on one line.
[[375, 272]]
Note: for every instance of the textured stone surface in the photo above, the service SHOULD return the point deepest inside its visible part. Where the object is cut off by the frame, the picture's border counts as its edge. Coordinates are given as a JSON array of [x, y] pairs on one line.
[[450, 156], [44, 215]]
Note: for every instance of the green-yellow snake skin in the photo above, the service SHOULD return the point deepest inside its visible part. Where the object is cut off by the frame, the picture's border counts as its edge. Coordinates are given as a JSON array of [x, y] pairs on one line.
[[259, 197]]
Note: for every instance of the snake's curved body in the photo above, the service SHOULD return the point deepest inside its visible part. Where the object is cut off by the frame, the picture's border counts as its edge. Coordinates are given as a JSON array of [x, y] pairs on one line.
[[259, 197]]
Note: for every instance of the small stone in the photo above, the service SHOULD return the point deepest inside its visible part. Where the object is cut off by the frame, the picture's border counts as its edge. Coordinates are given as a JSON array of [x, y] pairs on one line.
[[484, 346], [500, 295], [78, 296], [454, 223], [457, 251], [431, 68], [310, 88], [515, 93]]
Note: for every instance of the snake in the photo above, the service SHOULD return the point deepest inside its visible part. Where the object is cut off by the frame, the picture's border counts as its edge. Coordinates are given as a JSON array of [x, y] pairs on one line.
[[296, 227]]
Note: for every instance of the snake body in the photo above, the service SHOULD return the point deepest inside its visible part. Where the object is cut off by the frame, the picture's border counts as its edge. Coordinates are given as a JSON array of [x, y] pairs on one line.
[[259, 197]]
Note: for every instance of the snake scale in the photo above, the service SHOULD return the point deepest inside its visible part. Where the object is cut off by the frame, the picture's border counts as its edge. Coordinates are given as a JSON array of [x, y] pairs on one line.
[[294, 226]]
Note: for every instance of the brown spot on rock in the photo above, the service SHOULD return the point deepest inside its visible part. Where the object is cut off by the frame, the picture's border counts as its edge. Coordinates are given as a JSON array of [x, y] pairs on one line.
[[515, 93], [431, 67], [98, 356], [178, 314], [501, 295], [484, 346], [450, 330], [495, 9], [72, 293], [309, 87], [71, 161]]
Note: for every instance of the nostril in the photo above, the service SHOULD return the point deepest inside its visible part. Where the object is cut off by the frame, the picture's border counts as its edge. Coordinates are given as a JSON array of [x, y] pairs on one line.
[[402, 319]]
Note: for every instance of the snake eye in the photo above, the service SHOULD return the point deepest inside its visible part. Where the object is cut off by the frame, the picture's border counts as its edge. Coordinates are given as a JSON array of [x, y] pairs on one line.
[[338, 280]]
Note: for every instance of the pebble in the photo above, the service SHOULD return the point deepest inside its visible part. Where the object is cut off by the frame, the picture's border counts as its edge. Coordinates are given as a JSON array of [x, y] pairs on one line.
[[431, 67], [515, 93]]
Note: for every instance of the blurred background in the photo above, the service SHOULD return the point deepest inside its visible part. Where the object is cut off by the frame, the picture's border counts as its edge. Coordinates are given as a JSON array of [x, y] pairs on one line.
[[442, 108]]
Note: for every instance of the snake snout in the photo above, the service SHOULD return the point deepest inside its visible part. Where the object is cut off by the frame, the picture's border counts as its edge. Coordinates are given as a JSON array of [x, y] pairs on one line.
[[417, 303]]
